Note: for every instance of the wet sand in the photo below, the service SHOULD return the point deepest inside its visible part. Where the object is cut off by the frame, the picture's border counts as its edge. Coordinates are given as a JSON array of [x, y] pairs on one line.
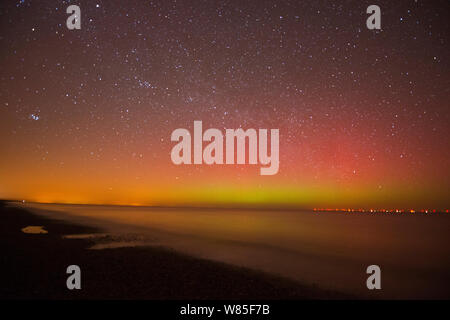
[[33, 266]]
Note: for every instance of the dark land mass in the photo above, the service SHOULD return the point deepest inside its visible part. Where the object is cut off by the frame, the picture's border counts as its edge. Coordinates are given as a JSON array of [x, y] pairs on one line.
[[33, 266]]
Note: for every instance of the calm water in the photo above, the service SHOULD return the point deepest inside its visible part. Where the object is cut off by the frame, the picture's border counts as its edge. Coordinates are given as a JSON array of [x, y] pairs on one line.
[[331, 250]]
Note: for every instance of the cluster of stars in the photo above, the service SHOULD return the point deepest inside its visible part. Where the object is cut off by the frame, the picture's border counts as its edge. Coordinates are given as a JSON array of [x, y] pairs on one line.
[[356, 108]]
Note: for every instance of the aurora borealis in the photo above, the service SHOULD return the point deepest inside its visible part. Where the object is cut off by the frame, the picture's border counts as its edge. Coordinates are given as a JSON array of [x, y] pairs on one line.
[[86, 115]]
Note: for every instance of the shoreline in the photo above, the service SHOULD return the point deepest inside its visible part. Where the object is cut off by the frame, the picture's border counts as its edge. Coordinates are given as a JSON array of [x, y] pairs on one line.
[[33, 266]]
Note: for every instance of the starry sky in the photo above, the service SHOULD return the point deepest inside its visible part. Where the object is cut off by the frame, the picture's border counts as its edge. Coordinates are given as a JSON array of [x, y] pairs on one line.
[[86, 115]]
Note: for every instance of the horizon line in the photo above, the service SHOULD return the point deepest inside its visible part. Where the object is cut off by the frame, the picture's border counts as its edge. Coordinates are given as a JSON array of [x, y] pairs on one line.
[[263, 207]]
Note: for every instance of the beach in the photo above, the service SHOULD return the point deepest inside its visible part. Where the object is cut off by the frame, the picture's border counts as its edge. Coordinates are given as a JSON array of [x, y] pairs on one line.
[[33, 266], [210, 253]]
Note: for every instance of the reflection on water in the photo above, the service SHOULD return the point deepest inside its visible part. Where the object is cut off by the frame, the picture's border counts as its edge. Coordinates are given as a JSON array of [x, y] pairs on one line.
[[34, 229], [118, 244], [331, 250], [112, 241], [86, 236]]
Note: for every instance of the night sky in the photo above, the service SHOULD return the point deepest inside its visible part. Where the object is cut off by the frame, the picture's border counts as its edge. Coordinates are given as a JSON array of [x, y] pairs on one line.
[[86, 115]]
